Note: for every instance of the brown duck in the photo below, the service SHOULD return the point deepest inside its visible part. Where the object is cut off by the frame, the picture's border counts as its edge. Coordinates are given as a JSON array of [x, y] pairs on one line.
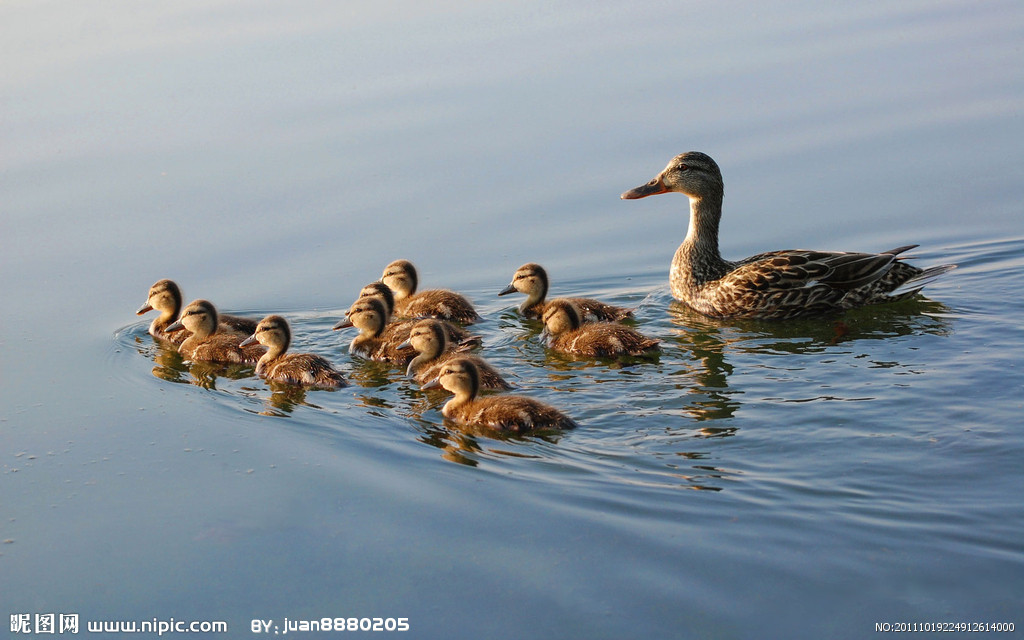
[[532, 279], [430, 341], [506, 413], [165, 296], [208, 342], [401, 276], [777, 284], [306, 369], [567, 333]]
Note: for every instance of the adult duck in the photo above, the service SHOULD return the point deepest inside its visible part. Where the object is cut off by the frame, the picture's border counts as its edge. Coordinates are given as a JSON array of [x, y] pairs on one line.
[[777, 284]]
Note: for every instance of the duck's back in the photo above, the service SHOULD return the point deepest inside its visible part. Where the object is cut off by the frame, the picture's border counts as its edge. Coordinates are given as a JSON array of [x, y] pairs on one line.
[[304, 369], [591, 310], [437, 303], [603, 339], [490, 378], [513, 414], [220, 347]]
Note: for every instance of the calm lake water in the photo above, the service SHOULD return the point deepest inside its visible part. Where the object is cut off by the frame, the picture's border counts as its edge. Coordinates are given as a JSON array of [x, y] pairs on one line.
[[806, 479]]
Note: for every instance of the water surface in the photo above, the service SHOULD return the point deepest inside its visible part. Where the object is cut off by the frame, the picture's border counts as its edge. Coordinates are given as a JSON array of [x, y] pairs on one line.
[[806, 479]]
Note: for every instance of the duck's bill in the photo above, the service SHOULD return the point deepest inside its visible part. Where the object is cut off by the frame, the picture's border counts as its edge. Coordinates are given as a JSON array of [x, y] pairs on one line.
[[433, 384], [405, 345], [344, 324], [174, 326], [250, 340], [507, 290], [652, 188], [146, 308]]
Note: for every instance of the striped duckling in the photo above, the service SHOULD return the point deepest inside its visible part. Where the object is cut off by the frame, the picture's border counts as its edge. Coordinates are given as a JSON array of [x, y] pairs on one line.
[[532, 279], [506, 413], [401, 276], [306, 369], [208, 341], [567, 333], [430, 341], [165, 296], [456, 334]]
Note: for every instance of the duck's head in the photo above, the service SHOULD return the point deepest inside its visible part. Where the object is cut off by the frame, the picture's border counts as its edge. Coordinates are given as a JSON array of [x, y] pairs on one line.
[[458, 375], [272, 332], [560, 316], [199, 317], [164, 296], [427, 337], [692, 173], [401, 277], [382, 291], [530, 278], [366, 314]]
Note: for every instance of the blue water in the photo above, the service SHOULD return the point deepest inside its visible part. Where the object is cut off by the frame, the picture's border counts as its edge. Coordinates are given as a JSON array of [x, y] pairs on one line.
[[805, 479]]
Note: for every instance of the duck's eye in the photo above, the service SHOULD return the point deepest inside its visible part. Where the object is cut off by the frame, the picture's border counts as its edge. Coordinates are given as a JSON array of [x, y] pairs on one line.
[[684, 167]]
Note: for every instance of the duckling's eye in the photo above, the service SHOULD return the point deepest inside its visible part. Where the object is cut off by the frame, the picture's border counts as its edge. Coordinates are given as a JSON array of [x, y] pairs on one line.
[[684, 167]]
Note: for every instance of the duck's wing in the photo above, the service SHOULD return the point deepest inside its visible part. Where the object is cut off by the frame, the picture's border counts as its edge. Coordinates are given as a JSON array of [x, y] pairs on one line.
[[787, 270]]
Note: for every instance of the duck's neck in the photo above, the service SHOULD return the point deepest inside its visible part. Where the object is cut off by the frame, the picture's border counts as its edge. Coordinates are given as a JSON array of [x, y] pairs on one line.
[[433, 349], [536, 296], [699, 251], [462, 396], [274, 351]]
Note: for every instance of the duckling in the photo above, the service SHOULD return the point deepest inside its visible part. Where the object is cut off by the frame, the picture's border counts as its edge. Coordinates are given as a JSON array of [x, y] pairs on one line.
[[377, 340], [567, 333], [304, 369], [401, 276], [508, 413], [430, 340], [532, 279], [165, 296], [777, 284], [456, 334], [208, 342]]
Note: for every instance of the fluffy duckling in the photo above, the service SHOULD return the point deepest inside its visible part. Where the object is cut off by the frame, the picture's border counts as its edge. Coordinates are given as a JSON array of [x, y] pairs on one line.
[[456, 334], [430, 340], [777, 284], [377, 340], [165, 296], [508, 413], [401, 276], [304, 369], [208, 342], [567, 333], [532, 279]]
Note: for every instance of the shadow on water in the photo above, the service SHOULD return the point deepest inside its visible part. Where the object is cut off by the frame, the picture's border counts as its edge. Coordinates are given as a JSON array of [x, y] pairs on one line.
[[715, 346]]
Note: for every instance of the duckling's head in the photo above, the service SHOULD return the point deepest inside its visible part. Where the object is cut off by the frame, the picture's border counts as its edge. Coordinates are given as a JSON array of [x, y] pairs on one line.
[[560, 316], [199, 317], [401, 277], [428, 336], [692, 173], [458, 375], [382, 291], [531, 279], [367, 314], [164, 296], [272, 332]]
